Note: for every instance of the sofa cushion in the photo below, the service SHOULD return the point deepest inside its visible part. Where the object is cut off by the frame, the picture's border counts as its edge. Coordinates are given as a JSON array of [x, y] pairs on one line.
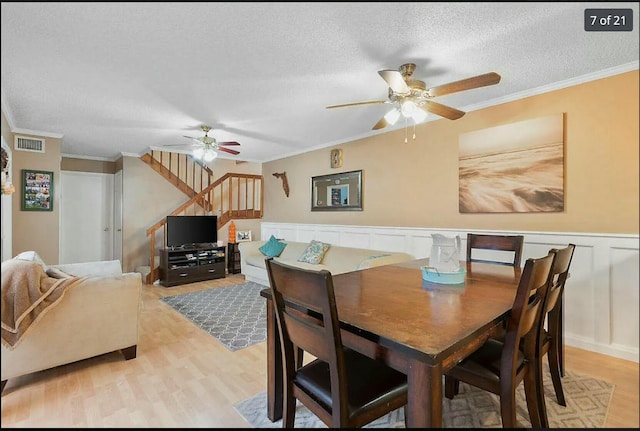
[[314, 252], [273, 247]]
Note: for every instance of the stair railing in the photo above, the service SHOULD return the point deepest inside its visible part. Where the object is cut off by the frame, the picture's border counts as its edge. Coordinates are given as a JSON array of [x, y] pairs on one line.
[[189, 175], [232, 196]]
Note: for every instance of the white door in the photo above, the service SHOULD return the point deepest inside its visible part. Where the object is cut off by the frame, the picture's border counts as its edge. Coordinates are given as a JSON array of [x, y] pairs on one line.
[[86, 216], [117, 217]]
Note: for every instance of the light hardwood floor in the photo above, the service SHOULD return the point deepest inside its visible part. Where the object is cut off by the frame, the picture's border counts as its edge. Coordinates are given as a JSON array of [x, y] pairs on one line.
[[183, 377]]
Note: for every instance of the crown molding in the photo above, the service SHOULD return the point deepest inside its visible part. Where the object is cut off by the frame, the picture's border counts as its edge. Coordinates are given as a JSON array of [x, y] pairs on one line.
[[37, 133], [5, 108], [605, 73], [77, 156]]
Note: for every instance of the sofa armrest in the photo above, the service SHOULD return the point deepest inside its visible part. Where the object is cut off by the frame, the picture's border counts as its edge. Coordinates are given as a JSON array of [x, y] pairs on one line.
[[249, 248], [98, 315]]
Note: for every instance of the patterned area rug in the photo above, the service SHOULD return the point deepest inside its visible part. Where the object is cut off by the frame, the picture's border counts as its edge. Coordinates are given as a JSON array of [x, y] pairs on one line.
[[587, 405], [235, 315]]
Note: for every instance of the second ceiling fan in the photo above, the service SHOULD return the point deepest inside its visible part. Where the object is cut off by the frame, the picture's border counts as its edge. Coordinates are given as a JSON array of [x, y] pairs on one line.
[[206, 147], [412, 99]]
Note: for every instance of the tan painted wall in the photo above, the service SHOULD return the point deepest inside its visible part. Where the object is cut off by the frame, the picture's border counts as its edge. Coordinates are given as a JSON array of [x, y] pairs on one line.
[[85, 165], [36, 230], [416, 184]]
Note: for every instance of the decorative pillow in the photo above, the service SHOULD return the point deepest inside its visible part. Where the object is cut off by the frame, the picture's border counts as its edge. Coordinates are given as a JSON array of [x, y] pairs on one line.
[[273, 247], [32, 256], [314, 252]]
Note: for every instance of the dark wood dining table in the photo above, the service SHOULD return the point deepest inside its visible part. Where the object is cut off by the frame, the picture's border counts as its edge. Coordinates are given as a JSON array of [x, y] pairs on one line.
[[418, 327]]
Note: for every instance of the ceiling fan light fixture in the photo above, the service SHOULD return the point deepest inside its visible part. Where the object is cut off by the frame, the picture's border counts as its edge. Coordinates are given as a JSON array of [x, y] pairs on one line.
[[209, 155], [420, 115], [392, 116], [408, 108], [198, 153]]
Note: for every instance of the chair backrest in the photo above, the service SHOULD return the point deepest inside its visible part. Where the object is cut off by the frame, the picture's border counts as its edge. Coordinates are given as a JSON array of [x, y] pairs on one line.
[[527, 311], [559, 274], [295, 289], [510, 243]]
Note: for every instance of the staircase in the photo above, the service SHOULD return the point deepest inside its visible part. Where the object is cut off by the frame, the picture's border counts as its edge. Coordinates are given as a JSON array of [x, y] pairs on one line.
[[232, 196]]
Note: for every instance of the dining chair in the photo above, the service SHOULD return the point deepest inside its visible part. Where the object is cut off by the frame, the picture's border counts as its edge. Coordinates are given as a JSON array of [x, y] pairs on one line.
[[341, 386], [549, 333], [506, 243], [500, 366]]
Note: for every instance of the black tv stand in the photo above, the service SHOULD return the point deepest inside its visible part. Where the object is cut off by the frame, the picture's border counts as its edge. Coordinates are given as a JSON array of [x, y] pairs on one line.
[[188, 264]]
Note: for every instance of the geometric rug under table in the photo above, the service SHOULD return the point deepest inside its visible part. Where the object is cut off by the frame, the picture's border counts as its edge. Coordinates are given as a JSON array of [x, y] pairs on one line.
[[235, 315], [587, 406]]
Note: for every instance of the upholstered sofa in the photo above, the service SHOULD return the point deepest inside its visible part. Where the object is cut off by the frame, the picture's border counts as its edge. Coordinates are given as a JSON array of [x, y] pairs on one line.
[[98, 314], [337, 259]]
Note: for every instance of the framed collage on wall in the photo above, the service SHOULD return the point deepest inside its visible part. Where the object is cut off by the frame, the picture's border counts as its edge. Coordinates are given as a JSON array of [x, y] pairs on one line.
[[37, 190]]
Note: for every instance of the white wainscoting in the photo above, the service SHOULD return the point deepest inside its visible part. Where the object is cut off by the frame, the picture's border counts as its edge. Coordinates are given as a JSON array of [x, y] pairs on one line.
[[601, 295]]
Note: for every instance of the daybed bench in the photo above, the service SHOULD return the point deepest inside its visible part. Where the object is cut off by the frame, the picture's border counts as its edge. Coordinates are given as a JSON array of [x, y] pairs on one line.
[[337, 259]]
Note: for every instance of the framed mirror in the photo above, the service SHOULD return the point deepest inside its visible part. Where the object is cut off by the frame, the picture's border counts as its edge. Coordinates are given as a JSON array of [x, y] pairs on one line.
[[337, 192]]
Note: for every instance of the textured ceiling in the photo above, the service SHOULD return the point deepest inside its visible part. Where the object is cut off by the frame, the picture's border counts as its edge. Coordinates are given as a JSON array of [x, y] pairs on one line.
[[114, 78]]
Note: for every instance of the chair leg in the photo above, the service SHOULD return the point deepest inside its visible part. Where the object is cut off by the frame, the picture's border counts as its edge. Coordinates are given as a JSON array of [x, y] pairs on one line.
[[508, 408], [4, 383], [451, 387], [560, 337], [554, 367], [289, 411], [534, 393], [554, 355]]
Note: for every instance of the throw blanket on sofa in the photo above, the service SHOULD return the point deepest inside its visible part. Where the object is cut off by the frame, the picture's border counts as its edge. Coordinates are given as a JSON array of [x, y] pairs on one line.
[[27, 294]]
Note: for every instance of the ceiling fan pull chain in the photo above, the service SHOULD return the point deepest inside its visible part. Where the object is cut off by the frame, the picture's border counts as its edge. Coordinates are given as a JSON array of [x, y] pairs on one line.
[[414, 131], [405, 131]]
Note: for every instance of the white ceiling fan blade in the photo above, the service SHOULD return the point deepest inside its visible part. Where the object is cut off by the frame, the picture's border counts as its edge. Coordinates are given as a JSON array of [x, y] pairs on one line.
[[395, 80]]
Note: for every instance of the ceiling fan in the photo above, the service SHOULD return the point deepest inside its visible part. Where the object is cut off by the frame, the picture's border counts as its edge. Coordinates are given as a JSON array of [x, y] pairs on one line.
[[412, 99], [206, 147]]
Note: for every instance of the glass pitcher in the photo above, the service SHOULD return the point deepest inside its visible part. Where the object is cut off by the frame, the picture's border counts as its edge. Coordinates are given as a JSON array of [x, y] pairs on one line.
[[445, 253]]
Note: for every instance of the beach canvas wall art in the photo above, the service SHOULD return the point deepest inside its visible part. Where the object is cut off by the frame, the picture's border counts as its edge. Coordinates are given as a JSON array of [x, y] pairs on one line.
[[516, 167]]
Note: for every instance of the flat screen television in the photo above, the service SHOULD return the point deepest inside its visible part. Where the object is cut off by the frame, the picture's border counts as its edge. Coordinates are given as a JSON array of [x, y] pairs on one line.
[[191, 230]]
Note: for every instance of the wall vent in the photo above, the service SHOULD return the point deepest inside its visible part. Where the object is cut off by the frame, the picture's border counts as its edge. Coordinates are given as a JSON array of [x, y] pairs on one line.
[[24, 143]]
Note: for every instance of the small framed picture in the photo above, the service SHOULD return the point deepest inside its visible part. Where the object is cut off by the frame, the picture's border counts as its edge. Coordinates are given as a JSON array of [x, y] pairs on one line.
[[243, 235]]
